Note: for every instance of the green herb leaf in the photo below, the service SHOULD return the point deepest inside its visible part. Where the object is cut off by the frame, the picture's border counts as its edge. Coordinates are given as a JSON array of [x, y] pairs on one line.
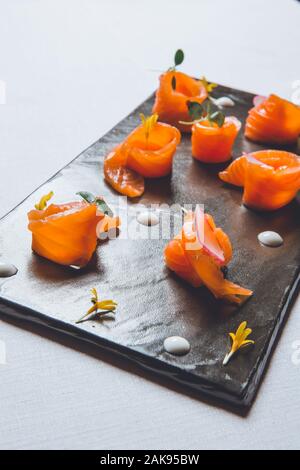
[[218, 118], [99, 201], [103, 206], [173, 82], [179, 57], [88, 197], [195, 109], [207, 108]]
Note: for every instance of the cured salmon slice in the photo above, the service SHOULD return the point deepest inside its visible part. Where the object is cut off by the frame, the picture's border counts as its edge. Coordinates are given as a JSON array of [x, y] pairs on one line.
[[141, 156], [152, 158], [271, 178], [65, 234], [199, 259], [274, 120], [213, 144], [175, 89]]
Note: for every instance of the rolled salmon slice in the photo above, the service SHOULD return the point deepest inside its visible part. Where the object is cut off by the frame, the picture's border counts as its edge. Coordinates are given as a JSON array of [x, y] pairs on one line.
[[271, 178], [147, 152], [152, 158], [198, 260], [274, 120], [175, 89], [65, 234]]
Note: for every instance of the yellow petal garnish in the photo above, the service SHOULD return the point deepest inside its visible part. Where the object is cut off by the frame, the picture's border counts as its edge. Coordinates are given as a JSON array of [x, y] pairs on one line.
[[148, 123], [208, 86], [239, 340], [105, 306], [43, 201]]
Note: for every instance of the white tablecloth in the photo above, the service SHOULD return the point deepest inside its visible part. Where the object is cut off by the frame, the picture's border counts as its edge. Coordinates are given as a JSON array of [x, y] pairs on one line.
[[72, 70]]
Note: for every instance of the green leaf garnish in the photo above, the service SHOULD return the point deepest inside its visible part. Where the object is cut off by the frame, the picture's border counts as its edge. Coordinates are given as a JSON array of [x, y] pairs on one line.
[[207, 108], [103, 206], [99, 201], [88, 197], [218, 118], [179, 57], [200, 112], [195, 110]]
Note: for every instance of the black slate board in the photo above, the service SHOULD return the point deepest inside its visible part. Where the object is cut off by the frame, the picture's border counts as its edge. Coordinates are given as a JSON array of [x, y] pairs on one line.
[[153, 302]]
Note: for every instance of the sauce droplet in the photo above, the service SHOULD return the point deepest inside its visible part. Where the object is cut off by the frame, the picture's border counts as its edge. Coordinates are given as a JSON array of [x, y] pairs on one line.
[[223, 102], [177, 345], [270, 238], [148, 218], [7, 270]]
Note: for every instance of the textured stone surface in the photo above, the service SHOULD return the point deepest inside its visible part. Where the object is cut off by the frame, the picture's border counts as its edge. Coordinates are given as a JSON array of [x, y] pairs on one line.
[[153, 303]]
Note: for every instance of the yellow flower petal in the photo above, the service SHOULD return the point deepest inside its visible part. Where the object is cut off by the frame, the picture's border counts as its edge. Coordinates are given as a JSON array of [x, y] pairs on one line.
[[248, 341], [92, 309], [42, 204], [240, 329], [94, 293], [104, 305], [245, 334], [148, 123], [208, 86], [238, 340]]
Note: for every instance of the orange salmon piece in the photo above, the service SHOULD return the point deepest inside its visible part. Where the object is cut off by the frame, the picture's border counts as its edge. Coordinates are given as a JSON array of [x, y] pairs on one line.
[[200, 262], [139, 157], [271, 178], [213, 144], [65, 234], [274, 121], [170, 104]]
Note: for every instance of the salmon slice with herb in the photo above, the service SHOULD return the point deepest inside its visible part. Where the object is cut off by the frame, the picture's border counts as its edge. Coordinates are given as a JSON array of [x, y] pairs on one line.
[[174, 91], [212, 143], [67, 233], [213, 134], [146, 153]]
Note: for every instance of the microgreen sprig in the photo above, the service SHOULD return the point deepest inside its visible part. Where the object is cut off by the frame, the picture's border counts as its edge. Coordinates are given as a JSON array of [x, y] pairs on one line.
[[98, 200], [204, 112]]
